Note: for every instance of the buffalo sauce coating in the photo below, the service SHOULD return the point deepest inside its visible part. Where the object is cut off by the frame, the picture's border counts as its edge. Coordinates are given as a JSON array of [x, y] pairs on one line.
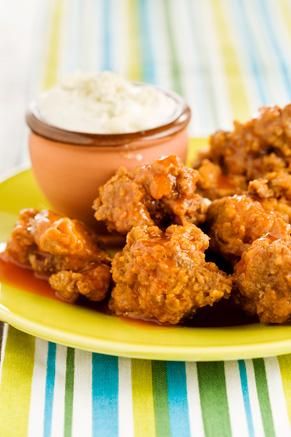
[[158, 194], [65, 250], [164, 275], [250, 151], [236, 222]]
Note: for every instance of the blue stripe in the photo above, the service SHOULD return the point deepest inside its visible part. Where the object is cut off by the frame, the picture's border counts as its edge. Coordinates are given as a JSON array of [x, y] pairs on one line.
[[269, 23], [107, 64], [148, 72], [104, 395], [177, 398], [49, 389], [245, 391], [241, 21]]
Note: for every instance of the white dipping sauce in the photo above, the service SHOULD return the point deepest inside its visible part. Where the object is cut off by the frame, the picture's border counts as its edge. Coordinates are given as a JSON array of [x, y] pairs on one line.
[[105, 103]]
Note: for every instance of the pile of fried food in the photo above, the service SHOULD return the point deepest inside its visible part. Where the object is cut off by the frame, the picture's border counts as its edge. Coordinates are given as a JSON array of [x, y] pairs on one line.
[[162, 272]]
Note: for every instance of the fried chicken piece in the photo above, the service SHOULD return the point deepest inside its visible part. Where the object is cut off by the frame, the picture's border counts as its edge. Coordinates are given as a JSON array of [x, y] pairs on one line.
[[274, 193], [64, 250], [262, 279], [92, 283], [156, 194], [236, 222], [21, 240], [213, 184], [255, 237], [250, 151], [164, 276]]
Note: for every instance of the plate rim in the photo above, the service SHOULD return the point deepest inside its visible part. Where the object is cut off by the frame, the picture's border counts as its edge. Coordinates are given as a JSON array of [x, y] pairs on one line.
[[152, 352]]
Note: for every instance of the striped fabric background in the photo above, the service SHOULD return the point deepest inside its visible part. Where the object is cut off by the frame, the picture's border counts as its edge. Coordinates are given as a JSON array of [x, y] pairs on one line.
[[50, 390], [227, 58]]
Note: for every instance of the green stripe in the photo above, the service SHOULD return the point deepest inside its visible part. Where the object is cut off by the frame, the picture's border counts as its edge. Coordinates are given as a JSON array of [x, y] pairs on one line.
[[175, 65], [213, 397], [69, 393], [160, 393], [263, 396], [15, 390]]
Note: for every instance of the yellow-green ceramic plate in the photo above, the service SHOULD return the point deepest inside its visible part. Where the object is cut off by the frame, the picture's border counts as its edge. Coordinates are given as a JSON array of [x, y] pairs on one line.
[[87, 329]]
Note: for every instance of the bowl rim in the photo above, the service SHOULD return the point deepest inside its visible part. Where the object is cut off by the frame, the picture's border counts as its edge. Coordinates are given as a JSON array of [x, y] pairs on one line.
[[175, 124]]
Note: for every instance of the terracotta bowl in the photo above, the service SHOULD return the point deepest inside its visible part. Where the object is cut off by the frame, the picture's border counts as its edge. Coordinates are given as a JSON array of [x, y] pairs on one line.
[[70, 166]]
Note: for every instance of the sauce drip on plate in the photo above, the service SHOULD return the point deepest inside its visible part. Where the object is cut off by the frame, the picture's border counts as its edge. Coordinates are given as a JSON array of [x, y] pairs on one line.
[[222, 314], [24, 278]]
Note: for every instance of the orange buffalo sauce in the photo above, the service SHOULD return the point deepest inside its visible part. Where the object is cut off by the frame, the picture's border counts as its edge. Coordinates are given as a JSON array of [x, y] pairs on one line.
[[23, 278], [224, 182], [223, 313]]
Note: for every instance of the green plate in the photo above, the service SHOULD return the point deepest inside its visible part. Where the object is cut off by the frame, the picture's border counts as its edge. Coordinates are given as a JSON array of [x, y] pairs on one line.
[[84, 328]]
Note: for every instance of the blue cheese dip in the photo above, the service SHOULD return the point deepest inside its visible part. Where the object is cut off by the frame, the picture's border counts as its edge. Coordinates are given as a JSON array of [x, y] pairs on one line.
[[105, 103]]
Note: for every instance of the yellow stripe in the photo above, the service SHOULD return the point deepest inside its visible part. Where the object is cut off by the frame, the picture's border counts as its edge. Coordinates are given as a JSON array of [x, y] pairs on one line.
[[16, 383], [239, 100], [195, 144], [285, 368], [142, 398], [51, 67], [286, 12], [134, 72]]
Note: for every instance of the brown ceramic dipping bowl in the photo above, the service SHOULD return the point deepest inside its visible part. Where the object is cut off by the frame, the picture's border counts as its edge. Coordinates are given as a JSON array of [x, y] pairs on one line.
[[70, 166]]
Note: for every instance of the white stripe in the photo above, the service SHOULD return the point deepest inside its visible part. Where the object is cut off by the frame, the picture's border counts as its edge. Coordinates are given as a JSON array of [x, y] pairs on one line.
[[283, 35], [194, 405], [16, 47], [243, 58], [125, 411], [4, 339], [38, 385], [195, 44], [271, 73], [99, 34], [59, 392], [86, 25], [221, 91], [71, 43], [254, 401], [82, 401], [96, 42], [34, 79], [238, 419], [277, 398], [119, 46], [187, 64], [161, 50]]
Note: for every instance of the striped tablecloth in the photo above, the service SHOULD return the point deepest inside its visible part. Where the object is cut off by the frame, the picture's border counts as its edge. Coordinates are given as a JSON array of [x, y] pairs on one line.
[[227, 58]]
